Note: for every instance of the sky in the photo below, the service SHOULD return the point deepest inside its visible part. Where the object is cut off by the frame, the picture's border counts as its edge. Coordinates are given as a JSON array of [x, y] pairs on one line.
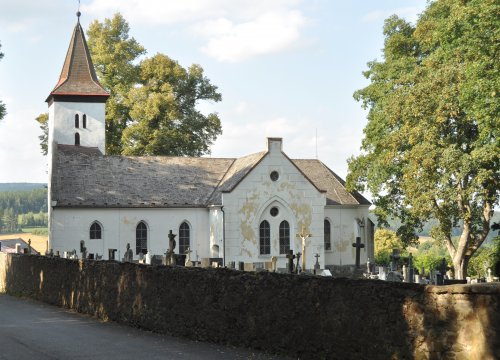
[[285, 68]]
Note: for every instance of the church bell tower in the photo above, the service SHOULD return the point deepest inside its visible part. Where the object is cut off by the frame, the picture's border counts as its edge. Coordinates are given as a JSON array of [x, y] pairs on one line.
[[77, 102]]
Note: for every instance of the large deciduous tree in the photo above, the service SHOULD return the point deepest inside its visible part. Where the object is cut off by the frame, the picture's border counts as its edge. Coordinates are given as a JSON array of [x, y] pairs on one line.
[[431, 147], [152, 108], [163, 108], [115, 56]]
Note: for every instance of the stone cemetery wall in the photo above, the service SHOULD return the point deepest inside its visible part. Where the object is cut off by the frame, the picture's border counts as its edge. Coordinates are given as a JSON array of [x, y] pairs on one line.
[[301, 316]]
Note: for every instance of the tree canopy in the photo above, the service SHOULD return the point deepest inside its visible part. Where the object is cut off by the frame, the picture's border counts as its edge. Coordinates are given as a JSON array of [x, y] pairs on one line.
[[431, 148], [152, 108], [3, 110]]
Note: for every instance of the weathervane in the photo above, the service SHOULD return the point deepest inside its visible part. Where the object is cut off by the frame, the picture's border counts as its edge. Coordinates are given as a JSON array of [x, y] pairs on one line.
[[78, 13]]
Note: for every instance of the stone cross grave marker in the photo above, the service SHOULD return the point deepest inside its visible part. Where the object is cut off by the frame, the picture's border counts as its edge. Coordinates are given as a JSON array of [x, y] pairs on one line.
[[290, 256], [316, 265], [303, 236], [358, 247], [83, 249]]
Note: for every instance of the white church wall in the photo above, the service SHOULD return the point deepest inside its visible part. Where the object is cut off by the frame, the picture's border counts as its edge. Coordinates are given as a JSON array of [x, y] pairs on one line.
[[69, 226], [344, 230], [63, 129], [216, 244], [298, 201]]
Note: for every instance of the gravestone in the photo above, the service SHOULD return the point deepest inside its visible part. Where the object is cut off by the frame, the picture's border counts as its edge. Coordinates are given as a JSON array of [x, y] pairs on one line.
[[316, 265], [241, 266], [157, 260], [205, 262], [188, 261], [326, 272], [381, 273], [90, 256], [128, 254], [258, 266], [111, 254], [29, 246], [411, 269], [395, 259], [18, 248], [274, 261], [298, 269], [169, 255], [290, 256], [249, 267], [216, 260], [358, 247]]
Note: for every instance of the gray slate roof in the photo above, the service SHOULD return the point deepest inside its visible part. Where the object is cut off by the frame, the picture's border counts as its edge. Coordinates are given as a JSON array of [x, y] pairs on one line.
[[83, 177]]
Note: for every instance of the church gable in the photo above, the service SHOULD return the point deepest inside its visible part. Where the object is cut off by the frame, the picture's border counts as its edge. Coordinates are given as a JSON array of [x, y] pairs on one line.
[[269, 206]]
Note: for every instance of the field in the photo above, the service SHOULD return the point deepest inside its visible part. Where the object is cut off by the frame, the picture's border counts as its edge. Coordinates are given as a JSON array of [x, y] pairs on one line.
[[38, 242]]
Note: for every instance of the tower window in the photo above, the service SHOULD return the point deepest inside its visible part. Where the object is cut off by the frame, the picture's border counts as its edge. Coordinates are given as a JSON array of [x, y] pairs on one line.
[[77, 121], [84, 121], [77, 139]]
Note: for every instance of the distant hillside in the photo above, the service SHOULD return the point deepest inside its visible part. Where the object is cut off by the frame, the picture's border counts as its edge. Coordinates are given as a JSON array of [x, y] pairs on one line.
[[21, 186], [394, 224]]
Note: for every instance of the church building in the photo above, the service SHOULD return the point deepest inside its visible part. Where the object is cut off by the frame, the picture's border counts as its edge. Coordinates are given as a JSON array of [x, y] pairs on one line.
[[246, 209]]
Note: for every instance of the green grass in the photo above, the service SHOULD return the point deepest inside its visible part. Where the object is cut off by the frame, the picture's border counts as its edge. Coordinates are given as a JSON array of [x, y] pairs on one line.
[[36, 230]]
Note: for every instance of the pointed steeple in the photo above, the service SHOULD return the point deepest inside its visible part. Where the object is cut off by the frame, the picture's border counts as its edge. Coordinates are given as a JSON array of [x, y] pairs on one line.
[[78, 77]]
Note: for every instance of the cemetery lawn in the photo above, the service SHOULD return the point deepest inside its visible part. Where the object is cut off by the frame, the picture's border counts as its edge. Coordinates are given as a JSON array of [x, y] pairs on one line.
[[38, 242]]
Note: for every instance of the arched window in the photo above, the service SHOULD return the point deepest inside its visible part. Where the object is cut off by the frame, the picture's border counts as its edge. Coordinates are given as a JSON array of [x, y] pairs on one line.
[[327, 231], [284, 237], [77, 121], [84, 121], [77, 139], [183, 237], [265, 238], [95, 231], [141, 238]]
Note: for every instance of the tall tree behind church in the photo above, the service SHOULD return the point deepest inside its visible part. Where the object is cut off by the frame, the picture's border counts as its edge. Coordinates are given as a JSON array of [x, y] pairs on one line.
[[431, 147], [152, 106]]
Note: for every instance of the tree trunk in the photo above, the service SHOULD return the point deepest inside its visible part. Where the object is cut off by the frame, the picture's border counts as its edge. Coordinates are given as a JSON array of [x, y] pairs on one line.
[[460, 266]]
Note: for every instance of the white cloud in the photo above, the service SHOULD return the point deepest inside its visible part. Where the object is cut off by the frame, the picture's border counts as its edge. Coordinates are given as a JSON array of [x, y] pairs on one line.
[[20, 156], [232, 30], [266, 34]]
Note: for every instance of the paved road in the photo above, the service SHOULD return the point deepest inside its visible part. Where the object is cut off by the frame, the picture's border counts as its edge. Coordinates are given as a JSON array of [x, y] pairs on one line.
[[33, 330]]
